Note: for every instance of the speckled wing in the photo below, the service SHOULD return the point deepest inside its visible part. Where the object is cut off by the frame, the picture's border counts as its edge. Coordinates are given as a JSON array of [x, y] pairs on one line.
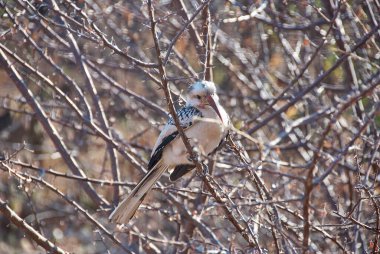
[[186, 117]]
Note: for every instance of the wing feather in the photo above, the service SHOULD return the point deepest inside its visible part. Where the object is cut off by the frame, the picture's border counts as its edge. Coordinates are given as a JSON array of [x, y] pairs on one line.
[[169, 133], [180, 171], [156, 156]]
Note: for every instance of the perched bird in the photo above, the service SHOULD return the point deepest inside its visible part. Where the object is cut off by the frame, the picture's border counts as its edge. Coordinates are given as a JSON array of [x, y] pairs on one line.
[[205, 124]]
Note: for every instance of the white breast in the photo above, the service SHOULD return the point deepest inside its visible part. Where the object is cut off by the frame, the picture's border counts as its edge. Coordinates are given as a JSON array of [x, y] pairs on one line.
[[205, 135]]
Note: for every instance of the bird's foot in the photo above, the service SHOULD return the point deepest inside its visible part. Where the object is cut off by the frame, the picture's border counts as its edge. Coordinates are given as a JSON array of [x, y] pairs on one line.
[[193, 158], [205, 169]]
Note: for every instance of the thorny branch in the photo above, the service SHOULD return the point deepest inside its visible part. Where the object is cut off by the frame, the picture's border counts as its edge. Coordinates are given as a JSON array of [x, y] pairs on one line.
[[30, 231], [85, 87], [207, 179]]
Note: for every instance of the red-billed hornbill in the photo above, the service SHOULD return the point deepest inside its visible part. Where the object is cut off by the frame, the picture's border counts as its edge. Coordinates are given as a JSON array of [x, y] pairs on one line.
[[205, 123]]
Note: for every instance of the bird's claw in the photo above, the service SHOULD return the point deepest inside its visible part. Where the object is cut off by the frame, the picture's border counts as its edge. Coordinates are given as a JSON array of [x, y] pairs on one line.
[[205, 170], [193, 158]]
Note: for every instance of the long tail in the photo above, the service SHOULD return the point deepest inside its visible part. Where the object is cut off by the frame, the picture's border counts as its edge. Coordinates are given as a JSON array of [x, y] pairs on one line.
[[128, 207]]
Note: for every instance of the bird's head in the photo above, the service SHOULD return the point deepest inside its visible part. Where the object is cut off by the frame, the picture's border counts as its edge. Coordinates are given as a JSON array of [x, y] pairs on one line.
[[202, 94]]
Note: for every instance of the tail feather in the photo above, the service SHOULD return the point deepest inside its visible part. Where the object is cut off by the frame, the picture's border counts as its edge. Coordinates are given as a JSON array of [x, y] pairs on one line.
[[128, 207]]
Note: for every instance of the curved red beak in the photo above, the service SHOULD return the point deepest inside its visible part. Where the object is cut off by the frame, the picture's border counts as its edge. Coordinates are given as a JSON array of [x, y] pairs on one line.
[[212, 103]]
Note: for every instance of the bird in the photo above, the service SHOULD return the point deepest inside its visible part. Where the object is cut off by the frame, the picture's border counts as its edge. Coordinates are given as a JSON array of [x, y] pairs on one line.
[[205, 123]]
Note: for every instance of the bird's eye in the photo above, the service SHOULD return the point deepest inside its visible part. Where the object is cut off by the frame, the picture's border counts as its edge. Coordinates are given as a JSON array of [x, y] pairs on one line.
[[199, 97]]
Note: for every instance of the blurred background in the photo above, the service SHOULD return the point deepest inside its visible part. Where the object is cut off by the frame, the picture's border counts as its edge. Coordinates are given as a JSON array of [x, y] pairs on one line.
[[81, 105]]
